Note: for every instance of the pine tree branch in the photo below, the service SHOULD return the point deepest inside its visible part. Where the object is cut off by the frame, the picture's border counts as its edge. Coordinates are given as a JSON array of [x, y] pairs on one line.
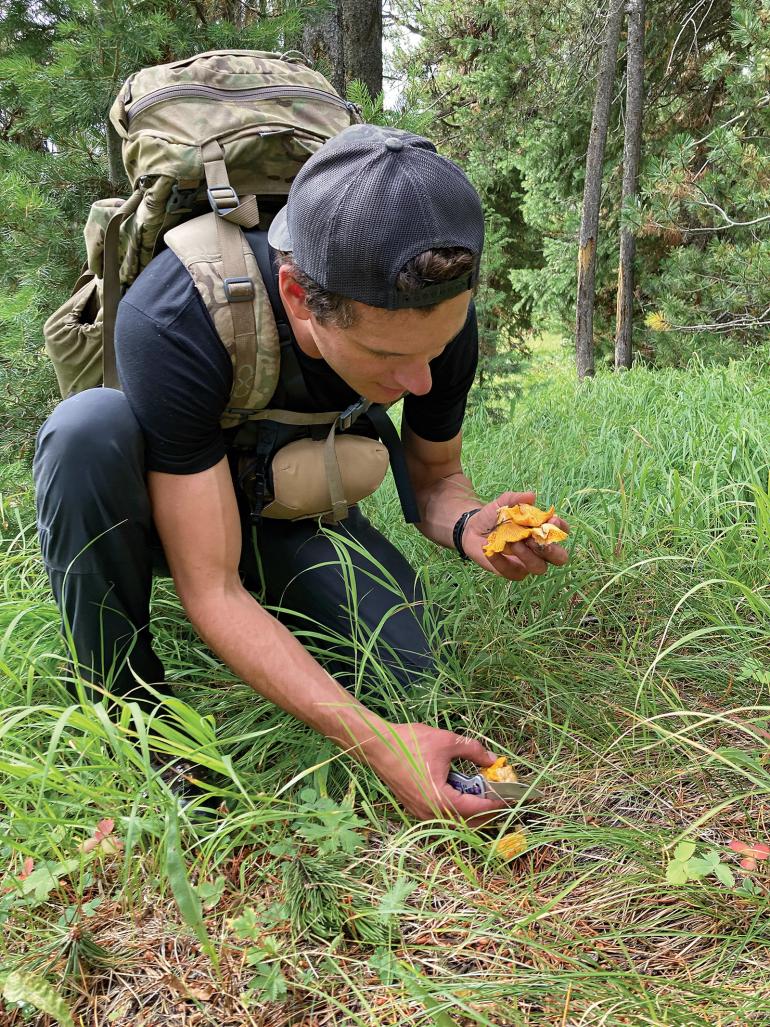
[[729, 222], [402, 23], [690, 20], [744, 322], [762, 102]]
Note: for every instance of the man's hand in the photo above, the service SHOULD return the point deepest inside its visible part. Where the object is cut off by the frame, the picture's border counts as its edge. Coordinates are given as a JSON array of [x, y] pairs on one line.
[[414, 760], [520, 558]]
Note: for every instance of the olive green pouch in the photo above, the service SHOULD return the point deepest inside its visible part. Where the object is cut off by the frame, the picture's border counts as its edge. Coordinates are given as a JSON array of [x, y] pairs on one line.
[[73, 337]]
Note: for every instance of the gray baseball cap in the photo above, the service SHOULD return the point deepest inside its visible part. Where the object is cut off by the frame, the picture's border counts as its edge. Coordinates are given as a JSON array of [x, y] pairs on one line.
[[368, 201]]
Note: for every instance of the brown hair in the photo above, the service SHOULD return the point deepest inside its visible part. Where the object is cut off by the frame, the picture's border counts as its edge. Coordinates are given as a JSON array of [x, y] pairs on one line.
[[428, 268]]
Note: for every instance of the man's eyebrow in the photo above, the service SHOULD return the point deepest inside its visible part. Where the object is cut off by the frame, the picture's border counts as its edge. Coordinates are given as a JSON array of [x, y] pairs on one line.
[[391, 353]]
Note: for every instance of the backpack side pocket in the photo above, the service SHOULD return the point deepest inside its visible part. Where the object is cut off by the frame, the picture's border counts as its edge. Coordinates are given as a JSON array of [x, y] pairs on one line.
[[73, 337], [99, 217]]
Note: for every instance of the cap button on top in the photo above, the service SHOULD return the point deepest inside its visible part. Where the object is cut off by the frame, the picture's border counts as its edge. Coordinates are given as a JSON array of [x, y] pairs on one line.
[[394, 144]]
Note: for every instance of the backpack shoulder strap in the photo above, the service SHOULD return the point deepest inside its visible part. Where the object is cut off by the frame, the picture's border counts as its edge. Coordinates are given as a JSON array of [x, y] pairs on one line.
[[255, 356], [292, 386], [257, 361], [265, 255]]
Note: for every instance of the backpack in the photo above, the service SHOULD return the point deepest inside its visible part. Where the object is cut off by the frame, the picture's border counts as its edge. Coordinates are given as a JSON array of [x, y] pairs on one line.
[[211, 145], [224, 131]]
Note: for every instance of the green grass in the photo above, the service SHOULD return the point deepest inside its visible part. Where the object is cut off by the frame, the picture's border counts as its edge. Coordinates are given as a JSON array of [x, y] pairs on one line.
[[635, 683]]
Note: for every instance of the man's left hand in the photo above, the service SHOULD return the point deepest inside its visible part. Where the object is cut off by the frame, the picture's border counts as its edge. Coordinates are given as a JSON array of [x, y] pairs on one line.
[[520, 558]]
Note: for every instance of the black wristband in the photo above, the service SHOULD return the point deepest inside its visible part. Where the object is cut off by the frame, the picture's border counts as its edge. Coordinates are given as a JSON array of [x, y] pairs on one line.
[[459, 528]]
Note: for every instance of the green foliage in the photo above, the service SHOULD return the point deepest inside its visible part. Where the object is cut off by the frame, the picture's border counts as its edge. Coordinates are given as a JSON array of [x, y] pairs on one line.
[[511, 89], [316, 889], [187, 899], [210, 892], [328, 826], [373, 111], [323, 897], [686, 866], [61, 64], [264, 954], [25, 990], [268, 982], [45, 879], [754, 670]]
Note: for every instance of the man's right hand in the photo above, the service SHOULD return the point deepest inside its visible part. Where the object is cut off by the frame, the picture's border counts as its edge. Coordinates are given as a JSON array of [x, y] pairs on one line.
[[197, 519], [414, 760]]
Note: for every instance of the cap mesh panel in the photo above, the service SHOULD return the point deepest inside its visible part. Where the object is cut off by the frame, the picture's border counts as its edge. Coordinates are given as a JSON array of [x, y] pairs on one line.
[[359, 211]]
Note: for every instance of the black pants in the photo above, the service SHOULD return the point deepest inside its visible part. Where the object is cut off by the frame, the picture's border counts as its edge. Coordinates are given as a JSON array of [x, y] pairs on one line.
[[348, 593]]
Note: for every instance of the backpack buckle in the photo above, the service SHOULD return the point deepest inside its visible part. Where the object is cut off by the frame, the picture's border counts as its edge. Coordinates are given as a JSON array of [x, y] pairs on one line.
[[180, 200], [350, 416], [239, 290], [223, 199]]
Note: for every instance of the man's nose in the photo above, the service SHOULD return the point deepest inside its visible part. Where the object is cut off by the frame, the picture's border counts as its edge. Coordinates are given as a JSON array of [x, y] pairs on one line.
[[415, 378]]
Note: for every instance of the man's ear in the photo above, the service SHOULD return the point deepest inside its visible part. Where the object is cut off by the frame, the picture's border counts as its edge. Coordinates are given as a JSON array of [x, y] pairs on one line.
[[292, 294]]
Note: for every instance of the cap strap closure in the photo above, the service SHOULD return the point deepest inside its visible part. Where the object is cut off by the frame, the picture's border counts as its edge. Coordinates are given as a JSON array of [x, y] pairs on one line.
[[433, 294]]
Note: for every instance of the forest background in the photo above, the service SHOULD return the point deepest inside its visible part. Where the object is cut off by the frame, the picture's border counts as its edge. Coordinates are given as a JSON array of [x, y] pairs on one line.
[[632, 684], [507, 90]]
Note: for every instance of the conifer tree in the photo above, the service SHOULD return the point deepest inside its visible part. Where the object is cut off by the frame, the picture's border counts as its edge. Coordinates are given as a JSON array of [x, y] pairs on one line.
[[510, 89], [61, 64], [631, 152], [592, 189]]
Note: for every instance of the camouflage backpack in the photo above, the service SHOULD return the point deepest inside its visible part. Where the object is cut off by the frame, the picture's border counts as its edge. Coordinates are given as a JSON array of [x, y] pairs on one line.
[[224, 132]]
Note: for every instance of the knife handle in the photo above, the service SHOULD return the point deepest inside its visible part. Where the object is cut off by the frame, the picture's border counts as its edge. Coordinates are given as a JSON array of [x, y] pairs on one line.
[[467, 784]]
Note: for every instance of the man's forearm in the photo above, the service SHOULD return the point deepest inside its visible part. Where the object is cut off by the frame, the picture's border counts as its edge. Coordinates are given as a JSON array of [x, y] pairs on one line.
[[442, 502], [264, 654], [413, 760]]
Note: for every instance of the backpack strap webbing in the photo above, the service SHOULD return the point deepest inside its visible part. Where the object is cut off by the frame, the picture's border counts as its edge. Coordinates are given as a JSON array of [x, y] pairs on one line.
[[265, 254], [255, 356], [111, 288], [232, 214], [292, 380], [392, 442]]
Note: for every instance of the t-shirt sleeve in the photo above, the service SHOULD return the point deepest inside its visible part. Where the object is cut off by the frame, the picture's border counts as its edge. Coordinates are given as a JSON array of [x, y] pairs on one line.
[[438, 415], [177, 377]]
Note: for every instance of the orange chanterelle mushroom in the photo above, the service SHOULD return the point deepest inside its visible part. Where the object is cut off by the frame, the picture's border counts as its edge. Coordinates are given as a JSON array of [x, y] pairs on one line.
[[499, 771], [515, 523], [510, 845]]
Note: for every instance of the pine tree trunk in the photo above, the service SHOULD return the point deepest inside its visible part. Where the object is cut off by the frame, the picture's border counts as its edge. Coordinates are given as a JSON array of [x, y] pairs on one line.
[[589, 225], [349, 39], [631, 150], [322, 43], [362, 35]]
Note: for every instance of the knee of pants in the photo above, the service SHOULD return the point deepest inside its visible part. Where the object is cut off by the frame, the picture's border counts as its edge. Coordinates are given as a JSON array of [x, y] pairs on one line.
[[81, 428], [389, 676], [89, 479]]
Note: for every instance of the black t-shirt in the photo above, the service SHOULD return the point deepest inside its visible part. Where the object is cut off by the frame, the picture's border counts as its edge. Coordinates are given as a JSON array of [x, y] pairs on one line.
[[177, 374]]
